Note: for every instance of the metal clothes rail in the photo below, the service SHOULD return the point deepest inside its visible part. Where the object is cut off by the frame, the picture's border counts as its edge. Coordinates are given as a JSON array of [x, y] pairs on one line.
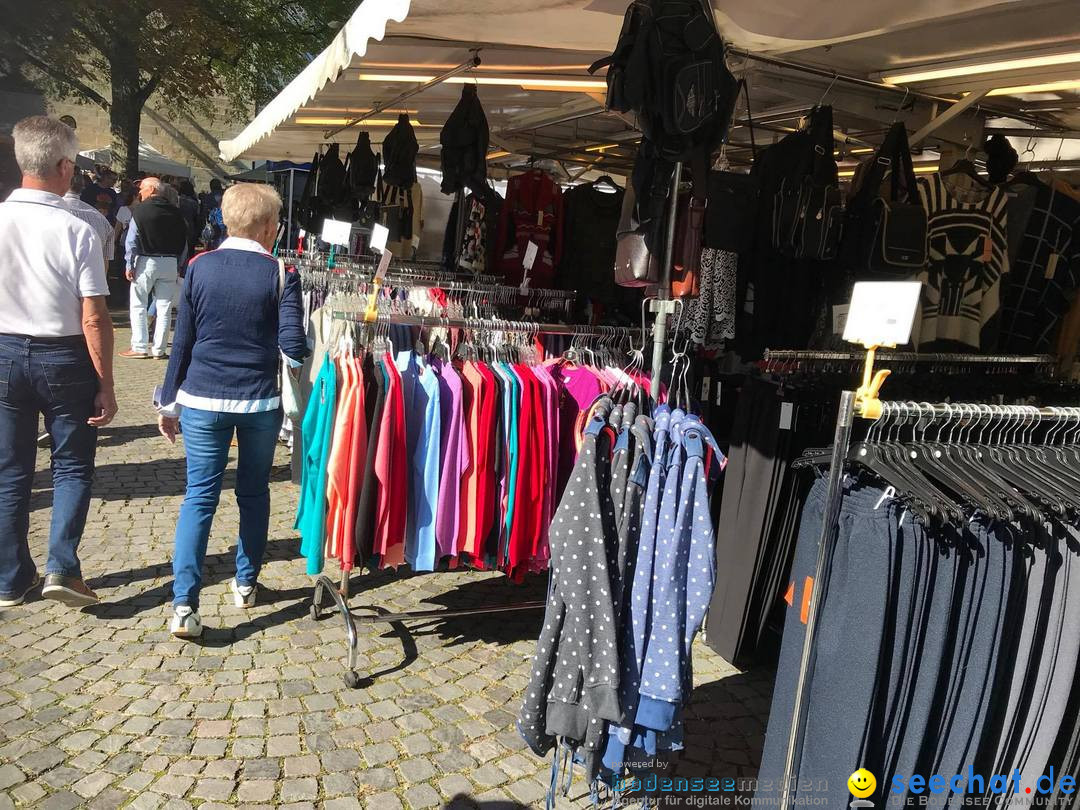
[[497, 325], [848, 410], [785, 355]]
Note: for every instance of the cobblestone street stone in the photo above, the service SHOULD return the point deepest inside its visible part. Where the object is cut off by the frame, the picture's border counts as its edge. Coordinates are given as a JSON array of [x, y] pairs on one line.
[[103, 708]]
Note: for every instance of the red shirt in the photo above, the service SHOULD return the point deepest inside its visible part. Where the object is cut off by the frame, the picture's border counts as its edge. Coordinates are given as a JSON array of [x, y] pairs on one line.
[[391, 468]]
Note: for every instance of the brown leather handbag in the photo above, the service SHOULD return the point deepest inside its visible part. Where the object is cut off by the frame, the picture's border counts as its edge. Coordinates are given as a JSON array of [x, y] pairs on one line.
[[686, 256]]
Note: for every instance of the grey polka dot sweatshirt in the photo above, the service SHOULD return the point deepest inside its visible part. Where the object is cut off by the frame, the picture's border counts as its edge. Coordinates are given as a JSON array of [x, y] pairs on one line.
[[575, 678]]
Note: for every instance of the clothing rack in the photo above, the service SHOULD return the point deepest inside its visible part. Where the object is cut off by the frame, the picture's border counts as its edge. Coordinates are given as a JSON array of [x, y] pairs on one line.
[[340, 593], [864, 403], [496, 325], [790, 356]]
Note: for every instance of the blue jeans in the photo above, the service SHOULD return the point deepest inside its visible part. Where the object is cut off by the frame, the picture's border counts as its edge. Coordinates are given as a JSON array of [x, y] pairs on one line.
[[54, 377], [207, 435]]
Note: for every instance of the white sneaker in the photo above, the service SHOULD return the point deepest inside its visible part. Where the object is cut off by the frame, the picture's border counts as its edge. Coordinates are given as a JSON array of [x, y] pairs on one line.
[[243, 595], [185, 622]]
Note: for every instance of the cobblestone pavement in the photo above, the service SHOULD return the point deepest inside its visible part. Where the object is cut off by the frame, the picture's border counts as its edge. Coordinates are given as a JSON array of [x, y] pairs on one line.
[[103, 709]]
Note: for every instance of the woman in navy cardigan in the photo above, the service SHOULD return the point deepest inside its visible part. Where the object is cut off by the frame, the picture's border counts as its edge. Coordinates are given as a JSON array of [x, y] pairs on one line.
[[235, 322]]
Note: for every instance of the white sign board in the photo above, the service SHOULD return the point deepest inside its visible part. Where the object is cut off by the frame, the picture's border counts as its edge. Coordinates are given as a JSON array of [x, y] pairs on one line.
[[882, 312], [379, 235], [336, 232]]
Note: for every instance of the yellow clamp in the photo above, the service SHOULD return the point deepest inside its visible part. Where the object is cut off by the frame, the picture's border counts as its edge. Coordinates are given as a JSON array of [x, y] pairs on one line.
[[867, 404], [372, 313]]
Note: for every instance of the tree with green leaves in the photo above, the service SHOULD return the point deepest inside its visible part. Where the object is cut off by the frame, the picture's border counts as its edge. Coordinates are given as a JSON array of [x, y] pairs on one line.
[[182, 52]]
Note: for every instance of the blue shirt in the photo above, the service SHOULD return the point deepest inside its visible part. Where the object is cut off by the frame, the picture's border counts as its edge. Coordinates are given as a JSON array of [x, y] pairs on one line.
[[423, 431]]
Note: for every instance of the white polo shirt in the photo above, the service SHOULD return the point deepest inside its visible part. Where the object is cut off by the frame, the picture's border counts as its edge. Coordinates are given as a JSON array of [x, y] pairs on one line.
[[49, 262]]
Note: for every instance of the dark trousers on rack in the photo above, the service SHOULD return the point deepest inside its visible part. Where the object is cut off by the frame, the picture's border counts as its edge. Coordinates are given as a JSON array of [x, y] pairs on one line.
[[842, 677]]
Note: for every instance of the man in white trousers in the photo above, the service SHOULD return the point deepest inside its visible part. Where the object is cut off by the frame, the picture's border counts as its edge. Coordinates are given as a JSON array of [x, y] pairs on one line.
[[156, 248]]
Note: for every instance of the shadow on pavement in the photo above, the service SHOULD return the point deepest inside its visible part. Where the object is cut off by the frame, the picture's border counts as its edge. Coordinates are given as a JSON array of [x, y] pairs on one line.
[[218, 568]]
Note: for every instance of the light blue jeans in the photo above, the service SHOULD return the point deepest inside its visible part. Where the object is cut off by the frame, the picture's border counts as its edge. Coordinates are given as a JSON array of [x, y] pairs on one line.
[[207, 435], [155, 284]]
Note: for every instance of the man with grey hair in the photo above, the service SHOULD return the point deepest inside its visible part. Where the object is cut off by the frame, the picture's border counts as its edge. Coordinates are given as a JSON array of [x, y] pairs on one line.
[[156, 245], [56, 345]]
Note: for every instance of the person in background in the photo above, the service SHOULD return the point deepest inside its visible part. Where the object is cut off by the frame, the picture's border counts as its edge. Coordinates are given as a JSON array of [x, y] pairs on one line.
[[100, 194], [90, 215], [210, 213], [156, 248], [238, 315], [56, 345], [189, 207]]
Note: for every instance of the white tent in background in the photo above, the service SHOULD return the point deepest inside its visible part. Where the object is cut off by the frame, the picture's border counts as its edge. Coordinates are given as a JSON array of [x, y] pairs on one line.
[[151, 160]]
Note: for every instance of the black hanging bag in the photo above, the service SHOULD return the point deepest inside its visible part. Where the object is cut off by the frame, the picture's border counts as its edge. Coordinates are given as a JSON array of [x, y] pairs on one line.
[[363, 167], [733, 202], [808, 212], [885, 235]]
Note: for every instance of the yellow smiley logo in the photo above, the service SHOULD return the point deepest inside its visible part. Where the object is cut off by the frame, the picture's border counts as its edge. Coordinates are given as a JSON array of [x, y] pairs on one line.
[[862, 783]]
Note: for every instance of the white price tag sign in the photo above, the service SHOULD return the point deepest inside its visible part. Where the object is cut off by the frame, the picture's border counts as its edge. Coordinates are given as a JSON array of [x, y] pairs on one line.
[[336, 232], [882, 312], [787, 410], [384, 263], [839, 318], [530, 255], [379, 235]]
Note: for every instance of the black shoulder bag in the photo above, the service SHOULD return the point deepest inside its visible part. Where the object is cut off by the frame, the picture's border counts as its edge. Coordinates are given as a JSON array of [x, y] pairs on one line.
[[808, 213], [886, 232], [733, 201]]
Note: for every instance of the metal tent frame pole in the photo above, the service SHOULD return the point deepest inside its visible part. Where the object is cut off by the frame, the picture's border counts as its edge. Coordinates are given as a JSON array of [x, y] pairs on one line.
[[289, 232], [464, 67]]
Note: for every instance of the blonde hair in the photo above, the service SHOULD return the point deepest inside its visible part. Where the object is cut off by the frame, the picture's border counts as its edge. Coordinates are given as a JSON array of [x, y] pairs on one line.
[[247, 208]]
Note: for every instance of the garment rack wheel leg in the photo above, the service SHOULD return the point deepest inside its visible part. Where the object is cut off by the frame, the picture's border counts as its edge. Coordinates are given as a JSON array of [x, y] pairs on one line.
[[325, 585]]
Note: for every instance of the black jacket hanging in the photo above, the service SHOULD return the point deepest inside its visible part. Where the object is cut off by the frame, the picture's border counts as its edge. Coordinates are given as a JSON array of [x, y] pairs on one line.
[[464, 140], [363, 168], [399, 150]]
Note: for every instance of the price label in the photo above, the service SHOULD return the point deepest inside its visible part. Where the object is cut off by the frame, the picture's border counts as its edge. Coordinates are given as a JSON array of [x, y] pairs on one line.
[[706, 383], [531, 250], [379, 235], [336, 232], [787, 411], [384, 263], [882, 312], [839, 318]]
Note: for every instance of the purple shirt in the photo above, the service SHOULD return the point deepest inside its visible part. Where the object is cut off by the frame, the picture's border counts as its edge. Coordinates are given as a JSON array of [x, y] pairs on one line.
[[455, 457], [579, 388]]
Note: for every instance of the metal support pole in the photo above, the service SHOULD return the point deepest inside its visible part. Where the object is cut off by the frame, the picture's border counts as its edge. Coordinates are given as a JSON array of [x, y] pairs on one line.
[[289, 242], [664, 293], [829, 529]]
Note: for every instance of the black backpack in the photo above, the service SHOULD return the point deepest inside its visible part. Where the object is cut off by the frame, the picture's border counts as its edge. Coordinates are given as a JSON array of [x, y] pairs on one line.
[[885, 234], [668, 67], [363, 168], [331, 188], [399, 150]]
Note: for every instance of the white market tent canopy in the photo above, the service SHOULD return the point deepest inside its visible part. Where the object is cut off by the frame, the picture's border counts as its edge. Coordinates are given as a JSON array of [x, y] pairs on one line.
[[947, 68], [150, 160]]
